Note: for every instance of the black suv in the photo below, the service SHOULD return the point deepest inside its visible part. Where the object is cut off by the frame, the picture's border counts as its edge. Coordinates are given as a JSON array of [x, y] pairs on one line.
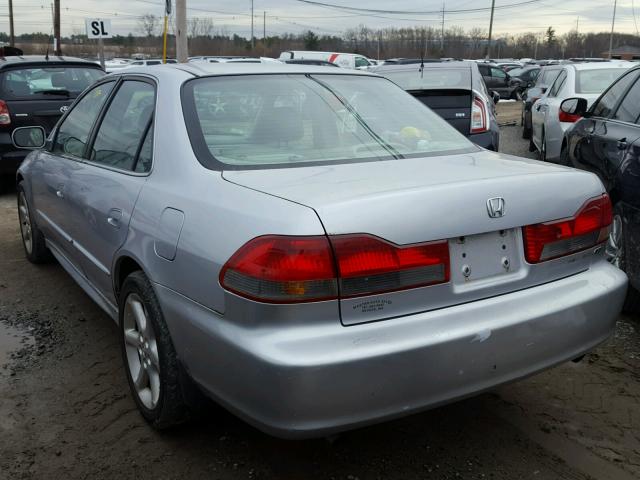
[[37, 90]]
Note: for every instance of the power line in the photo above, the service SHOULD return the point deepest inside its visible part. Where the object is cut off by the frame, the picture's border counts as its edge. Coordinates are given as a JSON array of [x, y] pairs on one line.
[[413, 12]]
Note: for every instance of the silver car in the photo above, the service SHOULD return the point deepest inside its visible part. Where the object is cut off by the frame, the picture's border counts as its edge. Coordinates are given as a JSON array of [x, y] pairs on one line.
[[548, 122], [314, 249]]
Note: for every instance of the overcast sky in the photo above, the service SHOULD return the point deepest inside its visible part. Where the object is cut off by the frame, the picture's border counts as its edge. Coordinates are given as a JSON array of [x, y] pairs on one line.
[[292, 16]]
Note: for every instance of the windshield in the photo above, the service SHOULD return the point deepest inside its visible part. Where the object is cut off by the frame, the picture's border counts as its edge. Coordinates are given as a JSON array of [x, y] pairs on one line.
[[255, 120], [45, 82], [597, 80], [430, 78]]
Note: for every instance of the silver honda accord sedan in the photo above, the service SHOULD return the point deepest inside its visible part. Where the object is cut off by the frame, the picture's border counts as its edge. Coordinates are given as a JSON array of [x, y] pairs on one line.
[[312, 248]]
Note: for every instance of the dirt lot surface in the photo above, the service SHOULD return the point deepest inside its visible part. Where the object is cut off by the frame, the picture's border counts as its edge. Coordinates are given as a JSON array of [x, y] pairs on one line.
[[66, 411]]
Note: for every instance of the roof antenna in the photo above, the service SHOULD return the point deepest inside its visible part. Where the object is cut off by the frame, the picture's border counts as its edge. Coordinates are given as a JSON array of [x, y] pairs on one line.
[[422, 63]]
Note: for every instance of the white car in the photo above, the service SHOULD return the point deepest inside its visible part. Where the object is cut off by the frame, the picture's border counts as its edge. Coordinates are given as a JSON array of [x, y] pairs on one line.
[[548, 122]]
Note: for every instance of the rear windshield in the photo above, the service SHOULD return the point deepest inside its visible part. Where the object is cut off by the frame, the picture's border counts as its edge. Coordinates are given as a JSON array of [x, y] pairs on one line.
[[597, 80], [47, 82], [259, 120], [434, 78]]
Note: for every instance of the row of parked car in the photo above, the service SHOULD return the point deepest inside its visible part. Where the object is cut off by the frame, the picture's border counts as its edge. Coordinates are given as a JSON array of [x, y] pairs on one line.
[[308, 246]]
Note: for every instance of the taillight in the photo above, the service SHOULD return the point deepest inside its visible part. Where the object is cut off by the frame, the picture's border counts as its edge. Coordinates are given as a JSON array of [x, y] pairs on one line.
[[287, 269], [568, 117], [479, 121], [589, 227], [5, 118], [282, 269], [368, 264]]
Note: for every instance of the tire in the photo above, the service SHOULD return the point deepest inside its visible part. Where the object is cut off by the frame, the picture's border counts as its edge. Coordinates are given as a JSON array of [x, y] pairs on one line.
[[543, 148], [616, 250], [151, 364], [33, 242], [564, 156]]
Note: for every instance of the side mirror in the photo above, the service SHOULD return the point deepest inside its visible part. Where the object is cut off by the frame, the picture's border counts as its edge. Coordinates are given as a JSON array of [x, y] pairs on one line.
[[574, 106], [28, 137], [496, 97]]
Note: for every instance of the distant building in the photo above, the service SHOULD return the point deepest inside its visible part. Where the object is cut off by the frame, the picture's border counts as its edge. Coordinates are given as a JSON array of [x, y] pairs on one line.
[[624, 52]]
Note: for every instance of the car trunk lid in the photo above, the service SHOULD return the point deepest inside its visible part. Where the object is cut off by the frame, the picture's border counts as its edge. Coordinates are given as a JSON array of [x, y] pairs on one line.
[[40, 112], [419, 200]]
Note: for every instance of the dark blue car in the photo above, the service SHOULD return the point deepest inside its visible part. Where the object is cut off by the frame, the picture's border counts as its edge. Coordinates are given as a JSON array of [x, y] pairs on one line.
[[606, 141]]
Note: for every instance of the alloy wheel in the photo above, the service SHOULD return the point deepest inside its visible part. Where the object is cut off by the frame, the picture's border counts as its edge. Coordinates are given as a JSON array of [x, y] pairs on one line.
[[615, 248], [142, 351], [25, 223]]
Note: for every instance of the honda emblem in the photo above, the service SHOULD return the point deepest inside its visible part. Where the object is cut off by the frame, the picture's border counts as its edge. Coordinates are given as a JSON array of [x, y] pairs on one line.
[[495, 207]]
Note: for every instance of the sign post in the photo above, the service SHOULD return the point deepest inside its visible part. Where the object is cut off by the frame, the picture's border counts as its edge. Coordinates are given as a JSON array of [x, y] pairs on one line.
[[99, 28], [167, 12]]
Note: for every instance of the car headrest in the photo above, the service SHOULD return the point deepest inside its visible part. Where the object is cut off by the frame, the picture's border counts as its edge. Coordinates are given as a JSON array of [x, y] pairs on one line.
[[59, 80], [279, 124], [18, 88]]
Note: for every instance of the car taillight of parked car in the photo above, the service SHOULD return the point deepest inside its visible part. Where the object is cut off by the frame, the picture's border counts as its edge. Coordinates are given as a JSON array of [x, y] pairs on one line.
[[568, 117], [5, 117], [291, 269], [479, 120], [587, 228]]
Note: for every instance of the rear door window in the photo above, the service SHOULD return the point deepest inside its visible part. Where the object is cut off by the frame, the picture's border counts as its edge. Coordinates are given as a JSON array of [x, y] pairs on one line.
[[605, 105], [548, 77], [124, 126], [629, 109], [558, 84], [74, 131], [47, 82], [498, 73]]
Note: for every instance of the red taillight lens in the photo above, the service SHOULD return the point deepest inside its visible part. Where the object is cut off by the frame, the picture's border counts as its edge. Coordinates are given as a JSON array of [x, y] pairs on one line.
[[368, 264], [586, 229], [568, 117], [284, 269], [5, 117], [479, 121]]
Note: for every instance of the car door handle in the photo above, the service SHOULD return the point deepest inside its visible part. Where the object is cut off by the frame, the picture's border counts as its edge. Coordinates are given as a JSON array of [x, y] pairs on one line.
[[59, 193], [622, 144], [115, 215]]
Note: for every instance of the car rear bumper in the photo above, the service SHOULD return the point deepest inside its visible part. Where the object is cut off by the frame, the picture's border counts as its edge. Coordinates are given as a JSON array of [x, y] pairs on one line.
[[313, 381], [10, 157], [488, 140]]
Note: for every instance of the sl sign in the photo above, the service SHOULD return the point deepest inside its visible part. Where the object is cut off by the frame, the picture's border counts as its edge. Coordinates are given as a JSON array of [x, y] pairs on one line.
[[98, 28]]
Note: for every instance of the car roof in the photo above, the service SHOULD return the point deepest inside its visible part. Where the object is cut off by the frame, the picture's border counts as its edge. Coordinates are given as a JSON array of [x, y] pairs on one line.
[[26, 60], [412, 66], [599, 65], [236, 68]]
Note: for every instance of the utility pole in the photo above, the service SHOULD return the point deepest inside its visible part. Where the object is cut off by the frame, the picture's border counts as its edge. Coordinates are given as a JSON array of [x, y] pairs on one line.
[[577, 23], [264, 26], [57, 46], [613, 22], [493, 5], [442, 33], [252, 41], [182, 48], [12, 38]]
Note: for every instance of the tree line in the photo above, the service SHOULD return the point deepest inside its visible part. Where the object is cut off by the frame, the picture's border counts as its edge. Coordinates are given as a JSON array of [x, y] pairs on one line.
[[427, 42]]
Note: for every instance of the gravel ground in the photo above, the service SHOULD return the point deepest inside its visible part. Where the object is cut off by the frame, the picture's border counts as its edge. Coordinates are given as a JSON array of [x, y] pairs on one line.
[[66, 412]]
